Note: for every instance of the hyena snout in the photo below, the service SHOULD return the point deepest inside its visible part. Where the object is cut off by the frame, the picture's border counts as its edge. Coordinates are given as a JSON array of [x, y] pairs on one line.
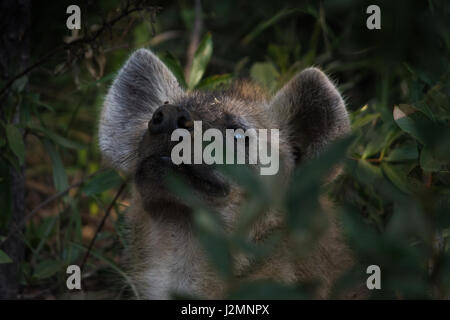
[[168, 117]]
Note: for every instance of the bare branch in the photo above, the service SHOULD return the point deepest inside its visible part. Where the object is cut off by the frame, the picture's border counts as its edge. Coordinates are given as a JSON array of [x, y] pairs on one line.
[[102, 223]]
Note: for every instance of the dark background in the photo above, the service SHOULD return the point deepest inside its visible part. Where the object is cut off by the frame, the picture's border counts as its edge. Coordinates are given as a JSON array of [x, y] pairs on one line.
[[55, 191]]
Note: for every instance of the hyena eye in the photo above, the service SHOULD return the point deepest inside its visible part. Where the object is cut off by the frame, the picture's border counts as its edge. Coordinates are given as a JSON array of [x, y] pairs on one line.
[[238, 136], [238, 131]]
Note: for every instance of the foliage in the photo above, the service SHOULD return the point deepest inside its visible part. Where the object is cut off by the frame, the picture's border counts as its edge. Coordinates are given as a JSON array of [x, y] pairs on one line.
[[394, 193]]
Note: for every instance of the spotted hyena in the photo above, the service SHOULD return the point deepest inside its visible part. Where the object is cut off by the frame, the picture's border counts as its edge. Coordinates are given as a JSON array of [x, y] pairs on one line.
[[144, 105]]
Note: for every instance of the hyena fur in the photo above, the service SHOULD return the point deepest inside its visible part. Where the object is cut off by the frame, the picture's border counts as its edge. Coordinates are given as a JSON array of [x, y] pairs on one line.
[[164, 257]]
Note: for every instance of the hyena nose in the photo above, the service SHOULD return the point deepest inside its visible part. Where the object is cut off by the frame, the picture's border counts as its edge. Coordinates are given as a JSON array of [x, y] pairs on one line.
[[168, 118]]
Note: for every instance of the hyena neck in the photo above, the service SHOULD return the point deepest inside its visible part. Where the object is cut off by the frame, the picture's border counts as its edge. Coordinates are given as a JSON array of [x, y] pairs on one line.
[[165, 258], [167, 209]]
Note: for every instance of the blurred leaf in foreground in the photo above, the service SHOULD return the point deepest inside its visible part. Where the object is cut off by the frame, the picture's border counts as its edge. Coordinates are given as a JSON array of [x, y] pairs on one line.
[[103, 181]]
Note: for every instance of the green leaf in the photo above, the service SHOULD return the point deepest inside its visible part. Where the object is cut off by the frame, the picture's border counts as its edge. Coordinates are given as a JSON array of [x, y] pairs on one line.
[[102, 182], [265, 74], [412, 121], [46, 269], [111, 264], [15, 142], [44, 232], [367, 173], [214, 81], [200, 61], [302, 199], [64, 142], [372, 178], [436, 103], [180, 186], [381, 139], [71, 254], [271, 21], [374, 146], [174, 65], [59, 174], [213, 239], [188, 16], [403, 153], [4, 258], [363, 238], [397, 175], [430, 162], [35, 99], [408, 220], [244, 177], [362, 121]]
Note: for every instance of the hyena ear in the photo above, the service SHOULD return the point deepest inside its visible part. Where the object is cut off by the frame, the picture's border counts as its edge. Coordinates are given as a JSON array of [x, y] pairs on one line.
[[311, 113], [143, 84]]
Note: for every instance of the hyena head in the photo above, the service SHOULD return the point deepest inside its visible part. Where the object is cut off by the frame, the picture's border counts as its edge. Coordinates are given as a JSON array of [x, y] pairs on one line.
[[145, 104]]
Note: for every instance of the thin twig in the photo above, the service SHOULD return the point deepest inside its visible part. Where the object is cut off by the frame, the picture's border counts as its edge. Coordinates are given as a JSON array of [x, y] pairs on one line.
[[100, 226], [18, 226], [43, 204]]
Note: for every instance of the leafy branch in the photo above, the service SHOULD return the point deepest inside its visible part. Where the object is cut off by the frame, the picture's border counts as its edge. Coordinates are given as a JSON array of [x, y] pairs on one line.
[[129, 8]]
